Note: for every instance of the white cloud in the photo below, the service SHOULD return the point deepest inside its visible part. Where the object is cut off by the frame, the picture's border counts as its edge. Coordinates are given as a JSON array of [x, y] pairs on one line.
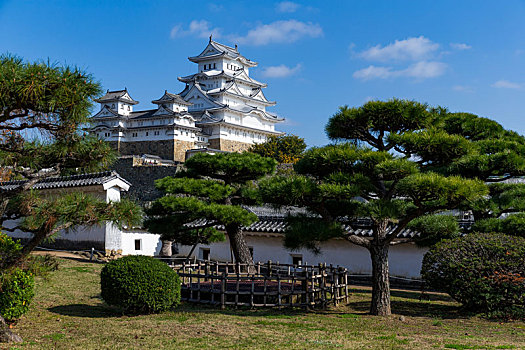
[[411, 49], [280, 71], [198, 28], [373, 72], [505, 84], [460, 46], [424, 69], [462, 88], [280, 32], [418, 70], [287, 7]]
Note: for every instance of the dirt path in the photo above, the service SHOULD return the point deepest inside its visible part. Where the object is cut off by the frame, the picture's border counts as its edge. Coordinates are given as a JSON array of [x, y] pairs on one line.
[[62, 254]]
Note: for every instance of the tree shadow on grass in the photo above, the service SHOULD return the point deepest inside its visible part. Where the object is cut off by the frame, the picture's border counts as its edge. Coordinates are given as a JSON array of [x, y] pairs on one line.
[[415, 309], [410, 294], [88, 311], [243, 311]]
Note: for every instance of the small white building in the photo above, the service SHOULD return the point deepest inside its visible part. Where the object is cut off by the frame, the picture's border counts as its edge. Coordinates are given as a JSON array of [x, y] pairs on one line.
[[108, 186]]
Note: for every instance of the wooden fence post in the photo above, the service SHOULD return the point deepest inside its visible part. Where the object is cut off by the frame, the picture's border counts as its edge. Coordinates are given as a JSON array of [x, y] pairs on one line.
[[223, 291]]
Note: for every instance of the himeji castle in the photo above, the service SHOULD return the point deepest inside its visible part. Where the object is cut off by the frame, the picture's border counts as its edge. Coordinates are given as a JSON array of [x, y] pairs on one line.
[[220, 108]]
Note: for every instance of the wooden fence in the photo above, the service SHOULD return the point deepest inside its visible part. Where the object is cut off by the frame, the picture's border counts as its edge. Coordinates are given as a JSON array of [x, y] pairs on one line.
[[266, 285]]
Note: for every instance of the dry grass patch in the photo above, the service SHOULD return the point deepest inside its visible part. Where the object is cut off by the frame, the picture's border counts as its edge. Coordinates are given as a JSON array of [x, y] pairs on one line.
[[68, 313]]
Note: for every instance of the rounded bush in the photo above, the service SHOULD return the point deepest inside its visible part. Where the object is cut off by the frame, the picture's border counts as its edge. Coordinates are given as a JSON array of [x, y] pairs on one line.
[[140, 284], [16, 293], [485, 272]]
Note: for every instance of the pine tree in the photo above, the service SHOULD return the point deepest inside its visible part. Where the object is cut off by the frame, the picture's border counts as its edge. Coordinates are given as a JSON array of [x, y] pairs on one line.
[[375, 174], [44, 109], [214, 187]]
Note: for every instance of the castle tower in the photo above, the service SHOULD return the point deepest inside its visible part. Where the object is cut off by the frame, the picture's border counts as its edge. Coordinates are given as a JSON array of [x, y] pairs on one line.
[[227, 103]]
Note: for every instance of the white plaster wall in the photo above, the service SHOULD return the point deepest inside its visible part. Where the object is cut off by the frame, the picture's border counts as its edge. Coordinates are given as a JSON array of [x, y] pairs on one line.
[[240, 134], [164, 134], [123, 108], [404, 259], [150, 243], [112, 237], [80, 234], [252, 121], [113, 194]]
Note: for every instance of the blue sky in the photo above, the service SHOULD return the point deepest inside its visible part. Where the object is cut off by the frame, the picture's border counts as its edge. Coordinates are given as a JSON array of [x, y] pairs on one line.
[[315, 56]]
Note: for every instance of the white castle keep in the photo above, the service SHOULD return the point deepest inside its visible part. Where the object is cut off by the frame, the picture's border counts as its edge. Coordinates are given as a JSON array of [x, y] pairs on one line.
[[220, 108]]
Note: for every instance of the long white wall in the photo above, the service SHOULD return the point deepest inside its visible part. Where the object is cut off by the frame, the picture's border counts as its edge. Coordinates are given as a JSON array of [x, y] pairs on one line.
[[404, 259]]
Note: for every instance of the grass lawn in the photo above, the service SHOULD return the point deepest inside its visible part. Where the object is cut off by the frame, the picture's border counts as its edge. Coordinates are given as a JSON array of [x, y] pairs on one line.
[[67, 313]]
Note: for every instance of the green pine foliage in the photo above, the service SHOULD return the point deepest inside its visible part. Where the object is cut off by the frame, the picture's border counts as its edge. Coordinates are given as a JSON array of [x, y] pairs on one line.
[[434, 228], [484, 272], [213, 187], [45, 109], [140, 284], [283, 148]]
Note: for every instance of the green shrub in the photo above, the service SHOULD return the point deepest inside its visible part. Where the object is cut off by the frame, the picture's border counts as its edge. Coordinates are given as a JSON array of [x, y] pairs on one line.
[[9, 249], [484, 272], [140, 284], [16, 293], [513, 225]]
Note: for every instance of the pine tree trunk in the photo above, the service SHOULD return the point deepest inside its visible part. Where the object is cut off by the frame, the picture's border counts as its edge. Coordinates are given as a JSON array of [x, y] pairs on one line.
[[6, 336], [240, 249], [380, 279], [166, 250]]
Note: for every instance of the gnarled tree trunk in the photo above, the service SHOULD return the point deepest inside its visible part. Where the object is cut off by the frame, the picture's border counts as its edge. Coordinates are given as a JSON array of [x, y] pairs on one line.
[[240, 248], [380, 279]]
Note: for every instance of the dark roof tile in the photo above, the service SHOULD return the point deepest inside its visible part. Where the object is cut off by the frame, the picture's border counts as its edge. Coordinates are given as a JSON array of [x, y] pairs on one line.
[[67, 181]]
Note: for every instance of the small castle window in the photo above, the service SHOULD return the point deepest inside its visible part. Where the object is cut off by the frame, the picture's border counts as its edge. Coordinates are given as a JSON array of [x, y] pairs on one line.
[[147, 133], [129, 108], [214, 65]]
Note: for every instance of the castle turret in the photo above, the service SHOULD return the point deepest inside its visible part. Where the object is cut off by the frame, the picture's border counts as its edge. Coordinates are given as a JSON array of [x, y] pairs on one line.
[[118, 101]]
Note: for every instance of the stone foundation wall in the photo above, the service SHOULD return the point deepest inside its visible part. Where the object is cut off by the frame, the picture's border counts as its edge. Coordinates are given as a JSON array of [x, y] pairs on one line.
[[228, 145], [142, 178], [161, 148], [166, 149], [180, 148], [114, 145]]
